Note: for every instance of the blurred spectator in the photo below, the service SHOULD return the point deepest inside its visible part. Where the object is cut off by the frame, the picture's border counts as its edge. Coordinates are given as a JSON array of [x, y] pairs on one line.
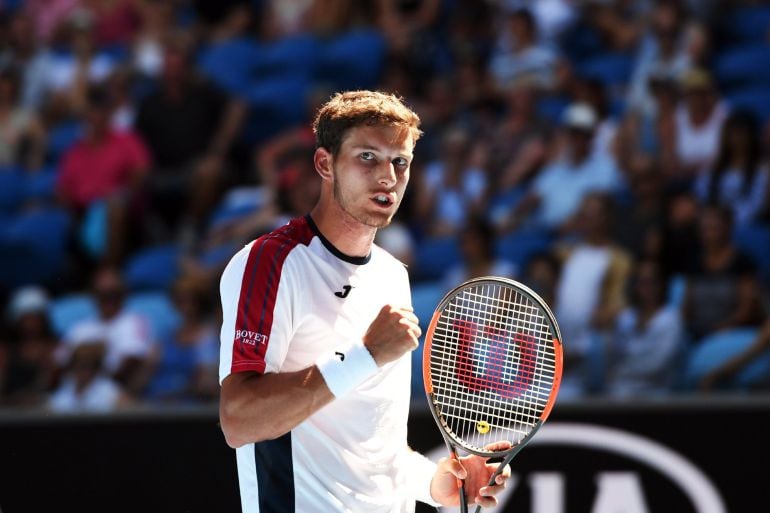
[[477, 255], [644, 211], [76, 61], [185, 366], [48, 15], [147, 45], [518, 141], [738, 179], [593, 92], [116, 22], [85, 386], [559, 188], [541, 274], [22, 139], [652, 131], [128, 340], [105, 167], [453, 187], [591, 292], [723, 374], [28, 53], [664, 48], [520, 52], [189, 126], [27, 364], [722, 290], [647, 343], [698, 124]]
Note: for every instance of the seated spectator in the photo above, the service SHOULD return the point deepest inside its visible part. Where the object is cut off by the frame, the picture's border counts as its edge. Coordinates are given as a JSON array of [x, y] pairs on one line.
[[129, 343], [189, 126], [477, 253], [644, 211], [85, 385], [723, 374], [591, 292], [648, 340], [105, 167], [738, 179], [722, 289], [27, 366], [541, 274], [22, 138], [559, 188], [520, 52], [698, 124], [453, 187], [665, 47], [185, 366]]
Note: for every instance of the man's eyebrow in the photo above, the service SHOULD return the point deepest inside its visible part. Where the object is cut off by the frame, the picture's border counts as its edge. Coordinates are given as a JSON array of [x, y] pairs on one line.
[[365, 146]]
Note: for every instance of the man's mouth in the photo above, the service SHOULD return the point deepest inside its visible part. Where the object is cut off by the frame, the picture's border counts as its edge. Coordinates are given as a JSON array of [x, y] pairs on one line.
[[383, 199]]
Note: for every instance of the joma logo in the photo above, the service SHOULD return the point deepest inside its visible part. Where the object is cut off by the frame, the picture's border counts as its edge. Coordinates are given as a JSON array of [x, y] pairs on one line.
[[251, 338]]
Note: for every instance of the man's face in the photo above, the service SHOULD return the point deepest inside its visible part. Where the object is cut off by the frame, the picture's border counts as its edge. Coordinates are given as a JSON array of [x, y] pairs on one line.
[[370, 173]]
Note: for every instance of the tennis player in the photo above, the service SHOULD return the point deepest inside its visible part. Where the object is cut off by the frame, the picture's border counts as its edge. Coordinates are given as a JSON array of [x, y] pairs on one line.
[[317, 333]]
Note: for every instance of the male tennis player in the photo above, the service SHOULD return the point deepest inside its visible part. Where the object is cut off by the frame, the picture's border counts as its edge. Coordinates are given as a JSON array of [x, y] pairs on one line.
[[316, 335]]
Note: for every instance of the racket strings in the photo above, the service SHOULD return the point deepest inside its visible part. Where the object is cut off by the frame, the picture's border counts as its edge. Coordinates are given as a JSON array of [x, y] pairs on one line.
[[492, 365]]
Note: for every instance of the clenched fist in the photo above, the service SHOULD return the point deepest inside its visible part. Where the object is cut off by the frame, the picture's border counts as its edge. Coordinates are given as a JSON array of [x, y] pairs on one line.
[[393, 332]]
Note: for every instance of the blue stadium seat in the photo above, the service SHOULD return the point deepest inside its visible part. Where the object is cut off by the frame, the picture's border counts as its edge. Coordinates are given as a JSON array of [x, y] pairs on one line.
[[232, 64], [157, 308], [741, 67], [754, 239], [352, 60], [11, 189], [275, 104], [755, 99], [519, 246], [613, 69], [433, 256], [69, 309], [295, 55], [152, 268], [61, 137], [34, 246], [748, 24], [715, 349], [40, 185]]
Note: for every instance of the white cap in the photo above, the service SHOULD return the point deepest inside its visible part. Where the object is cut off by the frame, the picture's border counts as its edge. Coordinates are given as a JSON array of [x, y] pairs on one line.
[[26, 300], [581, 116]]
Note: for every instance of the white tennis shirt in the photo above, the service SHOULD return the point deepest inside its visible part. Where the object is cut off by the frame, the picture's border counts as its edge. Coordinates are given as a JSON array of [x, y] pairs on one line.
[[287, 298]]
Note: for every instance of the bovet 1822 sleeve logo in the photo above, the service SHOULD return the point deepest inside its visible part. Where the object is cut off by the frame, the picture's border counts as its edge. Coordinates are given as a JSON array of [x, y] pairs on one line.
[[251, 338], [577, 468]]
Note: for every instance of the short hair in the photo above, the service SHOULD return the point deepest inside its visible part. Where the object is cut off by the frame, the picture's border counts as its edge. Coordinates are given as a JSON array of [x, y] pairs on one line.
[[350, 109]]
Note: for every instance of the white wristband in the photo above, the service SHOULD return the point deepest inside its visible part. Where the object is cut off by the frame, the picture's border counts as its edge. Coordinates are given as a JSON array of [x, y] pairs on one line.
[[345, 369]]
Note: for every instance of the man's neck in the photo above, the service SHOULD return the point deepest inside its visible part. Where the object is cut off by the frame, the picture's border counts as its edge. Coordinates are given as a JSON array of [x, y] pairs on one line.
[[345, 233]]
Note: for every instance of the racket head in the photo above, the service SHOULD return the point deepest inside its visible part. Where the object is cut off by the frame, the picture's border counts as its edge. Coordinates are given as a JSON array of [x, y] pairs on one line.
[[492, 364]]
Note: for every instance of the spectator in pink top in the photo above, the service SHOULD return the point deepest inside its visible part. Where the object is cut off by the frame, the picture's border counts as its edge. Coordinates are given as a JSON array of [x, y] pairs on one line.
[[104, 167]]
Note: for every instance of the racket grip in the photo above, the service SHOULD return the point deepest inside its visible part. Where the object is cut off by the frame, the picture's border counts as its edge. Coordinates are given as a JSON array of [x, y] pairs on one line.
[[491, 482], [461, 490]]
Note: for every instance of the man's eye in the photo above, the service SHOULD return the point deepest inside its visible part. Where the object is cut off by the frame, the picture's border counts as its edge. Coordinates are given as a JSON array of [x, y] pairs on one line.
[[401, 162], [367, 155]]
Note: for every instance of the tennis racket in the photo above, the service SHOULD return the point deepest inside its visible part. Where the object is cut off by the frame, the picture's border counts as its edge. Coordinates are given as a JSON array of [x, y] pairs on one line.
[[492, 364]]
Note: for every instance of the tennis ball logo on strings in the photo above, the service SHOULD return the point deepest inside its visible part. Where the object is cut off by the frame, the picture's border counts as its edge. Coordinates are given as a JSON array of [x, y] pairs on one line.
[[483, 427]]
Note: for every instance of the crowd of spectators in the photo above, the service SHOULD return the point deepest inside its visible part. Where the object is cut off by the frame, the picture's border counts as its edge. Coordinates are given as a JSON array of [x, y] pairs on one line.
[[610, 154]]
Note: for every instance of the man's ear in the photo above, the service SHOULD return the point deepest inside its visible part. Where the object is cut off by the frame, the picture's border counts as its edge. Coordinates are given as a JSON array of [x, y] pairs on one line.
[[323, 160]]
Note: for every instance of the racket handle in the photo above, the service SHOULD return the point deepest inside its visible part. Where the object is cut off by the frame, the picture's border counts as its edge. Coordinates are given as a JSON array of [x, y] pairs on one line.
[[461, 489], [492, 480]]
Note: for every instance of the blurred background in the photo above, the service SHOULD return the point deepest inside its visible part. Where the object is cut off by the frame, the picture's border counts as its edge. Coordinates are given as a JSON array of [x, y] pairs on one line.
[[613, 155]]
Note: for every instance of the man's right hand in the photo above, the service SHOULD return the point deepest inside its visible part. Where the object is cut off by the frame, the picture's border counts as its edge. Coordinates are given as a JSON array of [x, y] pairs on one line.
[[393, 332]]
